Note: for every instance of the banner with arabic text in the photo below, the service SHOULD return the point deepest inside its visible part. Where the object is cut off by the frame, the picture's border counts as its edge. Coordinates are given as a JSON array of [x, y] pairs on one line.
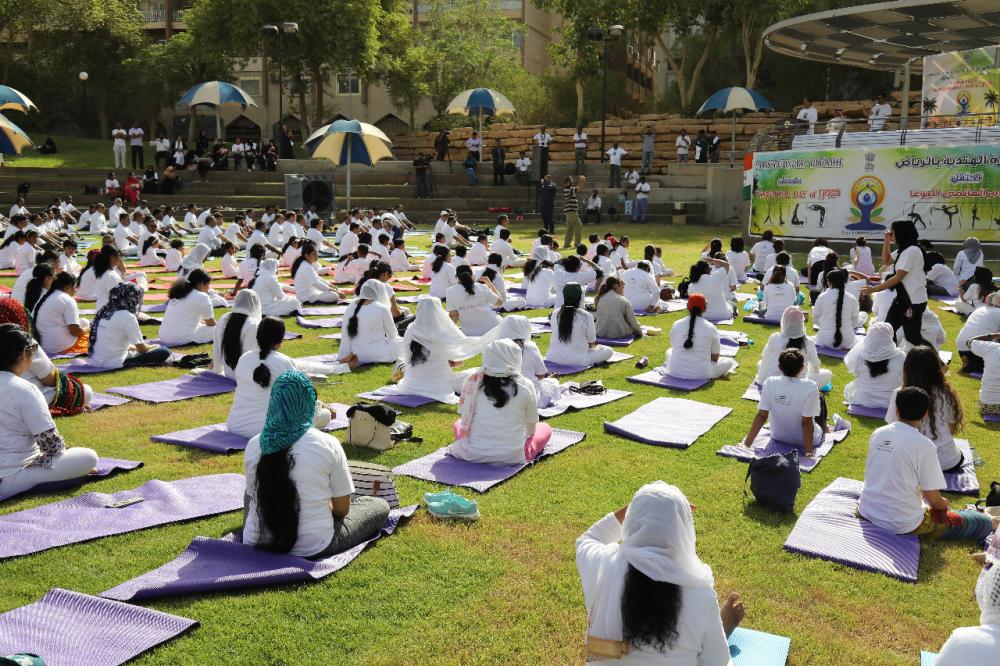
[[949, 192]]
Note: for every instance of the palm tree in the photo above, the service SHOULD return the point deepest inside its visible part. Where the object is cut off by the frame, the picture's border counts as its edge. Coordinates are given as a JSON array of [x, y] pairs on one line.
[[929, 105], [991, 99]]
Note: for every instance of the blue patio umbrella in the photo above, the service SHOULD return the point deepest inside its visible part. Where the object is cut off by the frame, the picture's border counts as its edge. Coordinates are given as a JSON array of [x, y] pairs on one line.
[[347, 142], [12, 138], [480, 102], [15, 100], [217, 94], [731, 100]]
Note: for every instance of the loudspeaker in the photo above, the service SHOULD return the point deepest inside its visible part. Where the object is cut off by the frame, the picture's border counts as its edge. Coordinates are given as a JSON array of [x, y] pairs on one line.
[[305, 190]]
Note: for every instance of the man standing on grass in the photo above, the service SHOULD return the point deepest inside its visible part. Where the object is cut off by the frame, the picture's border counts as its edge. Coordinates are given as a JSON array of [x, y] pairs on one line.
[[135, 136], [615, 155], [119, 135], [641, 209], [547, 202], [571, 210]]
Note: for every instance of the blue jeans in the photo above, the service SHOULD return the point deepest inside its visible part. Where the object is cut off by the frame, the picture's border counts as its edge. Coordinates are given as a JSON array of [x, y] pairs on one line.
[[640, 210], [471, 173], [647, 160], [156, 356]]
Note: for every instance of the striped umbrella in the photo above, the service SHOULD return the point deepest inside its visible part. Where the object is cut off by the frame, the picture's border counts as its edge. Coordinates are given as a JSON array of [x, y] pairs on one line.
[[731, 100], [347, 142], [480, 102], [217, 94], [15, 100], [12, 138]]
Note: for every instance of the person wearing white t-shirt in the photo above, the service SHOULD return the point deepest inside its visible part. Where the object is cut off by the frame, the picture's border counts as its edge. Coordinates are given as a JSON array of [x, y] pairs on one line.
[[902, 475], [119, 136], [67, 260], [641, 289], [695, 346], [115, 338], [442, 272], [579, 150], [32, 451], [640, 212], [879, 114], [574, 332], [779, 294], [968, 259], [877, 367], [615, 154], [309, 286], [58, 326], [135, 137], [978, 646], [523, 168], [738, 258], [470, 303], [791, 405], [941, 281], [861, 257], [324, 520], [189, 317], [710, 278], [908, 307], [761, 250], [984, 320], [807, 116], [837, 313], [987, 347], [683, 144]]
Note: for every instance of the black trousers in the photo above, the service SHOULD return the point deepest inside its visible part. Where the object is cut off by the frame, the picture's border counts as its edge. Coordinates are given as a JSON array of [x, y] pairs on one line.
[[498, 175], [138, 158], [547, 220], [911, 325]]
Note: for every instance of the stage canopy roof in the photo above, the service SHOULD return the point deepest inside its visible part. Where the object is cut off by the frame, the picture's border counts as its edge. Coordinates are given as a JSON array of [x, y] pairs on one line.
[[887, 35]]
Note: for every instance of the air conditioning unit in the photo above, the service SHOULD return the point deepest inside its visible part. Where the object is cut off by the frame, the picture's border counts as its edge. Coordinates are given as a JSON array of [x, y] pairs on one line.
[[305, 190]]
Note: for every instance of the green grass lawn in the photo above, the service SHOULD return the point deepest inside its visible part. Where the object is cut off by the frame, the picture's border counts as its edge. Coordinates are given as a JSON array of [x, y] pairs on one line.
[[506, 590], [77, 153]]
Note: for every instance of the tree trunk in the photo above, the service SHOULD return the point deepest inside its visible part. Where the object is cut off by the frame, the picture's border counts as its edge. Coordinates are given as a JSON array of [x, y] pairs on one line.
[[676, 68], [412, 109], [317, 78], [755, 67], [303, 121], [579, 101], [710, 38], [102, 112], [192, 121]]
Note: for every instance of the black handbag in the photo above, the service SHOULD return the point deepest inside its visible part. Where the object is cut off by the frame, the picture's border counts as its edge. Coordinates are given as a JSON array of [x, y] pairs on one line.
[[775, 480]]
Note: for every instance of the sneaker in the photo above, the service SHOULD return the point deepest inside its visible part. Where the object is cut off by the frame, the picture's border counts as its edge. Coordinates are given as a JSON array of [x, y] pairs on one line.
[[827, 388], [840, 423], [438, 497], [454, 506]]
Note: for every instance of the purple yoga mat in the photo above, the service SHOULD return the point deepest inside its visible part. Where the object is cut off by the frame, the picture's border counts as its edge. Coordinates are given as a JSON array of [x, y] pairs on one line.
[[829, 529], [216, 565], [442, 468], [89, 517], [654, 378], [570, 400], [401, 399], [330, 336], [102, 400], [869, 411], [83, 366], [752, 392], [105, 468], [764, 321], [178, 388], [764, 446], [991, 418], [722, 322], [616, 342], [831, 352], [69, 629], [217, 439], [673, 422], [974, 375], [322, 310], [560, 369], [965, 482], [319, 323]]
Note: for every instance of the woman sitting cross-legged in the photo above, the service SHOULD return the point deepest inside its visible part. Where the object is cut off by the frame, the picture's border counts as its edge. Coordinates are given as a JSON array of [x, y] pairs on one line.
[[615, 313], [299, 486], [903, 480], [65, 395], [574, 333], [471, 302], [923, 368], [792, 405], [115, 338], [236, 333], [255, 374], [273, 300], [978, 646], [695, 346], [32, 451], [779, 294], [877, 366], [641, 289], [837, 313], [369, 333], [498, 412], [58, 326], [547, 387], [792, 335], [649, 598], [979, 286], [432, 348], [309, 286], [189, 317]]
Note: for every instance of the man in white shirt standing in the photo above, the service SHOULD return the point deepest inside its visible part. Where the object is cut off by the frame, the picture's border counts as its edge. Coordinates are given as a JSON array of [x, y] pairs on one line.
[[135, 136], [119, 136], [615, 155], [523, 168], [593, 209], [648, 148], [161, 150], [579, 149], [475, 146], [683, 144], [542, 140], [807, 117], [879, 114], [640, 212]]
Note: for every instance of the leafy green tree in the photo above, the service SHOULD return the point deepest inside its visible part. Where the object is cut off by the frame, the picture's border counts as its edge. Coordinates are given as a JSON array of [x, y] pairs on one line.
[[751, 17]]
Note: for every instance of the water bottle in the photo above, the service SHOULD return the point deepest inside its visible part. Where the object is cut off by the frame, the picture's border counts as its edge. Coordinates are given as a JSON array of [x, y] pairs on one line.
[[642, 362]]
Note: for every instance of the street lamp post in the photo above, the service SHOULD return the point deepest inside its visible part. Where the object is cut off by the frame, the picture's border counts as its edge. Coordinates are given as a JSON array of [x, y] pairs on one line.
[[599, 35], [83, 84], [271, 30]]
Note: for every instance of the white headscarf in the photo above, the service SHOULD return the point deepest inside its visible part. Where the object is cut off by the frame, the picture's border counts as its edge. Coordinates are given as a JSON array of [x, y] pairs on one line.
[[988, 595], [515, 327], [269, 267], [793, 323], [373, 290], [502, 358], [247, 302], [657, 538], [432, 328], [880, 343], [196, 258]]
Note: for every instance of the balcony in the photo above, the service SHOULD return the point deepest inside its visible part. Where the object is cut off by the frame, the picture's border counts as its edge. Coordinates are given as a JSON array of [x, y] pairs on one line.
[[159, 15]]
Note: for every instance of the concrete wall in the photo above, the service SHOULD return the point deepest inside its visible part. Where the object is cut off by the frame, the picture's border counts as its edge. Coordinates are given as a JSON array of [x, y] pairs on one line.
[[725, 194]]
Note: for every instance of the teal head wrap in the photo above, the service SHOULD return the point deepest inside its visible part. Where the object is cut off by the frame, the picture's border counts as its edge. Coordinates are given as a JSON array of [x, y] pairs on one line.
[[290, 412]]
